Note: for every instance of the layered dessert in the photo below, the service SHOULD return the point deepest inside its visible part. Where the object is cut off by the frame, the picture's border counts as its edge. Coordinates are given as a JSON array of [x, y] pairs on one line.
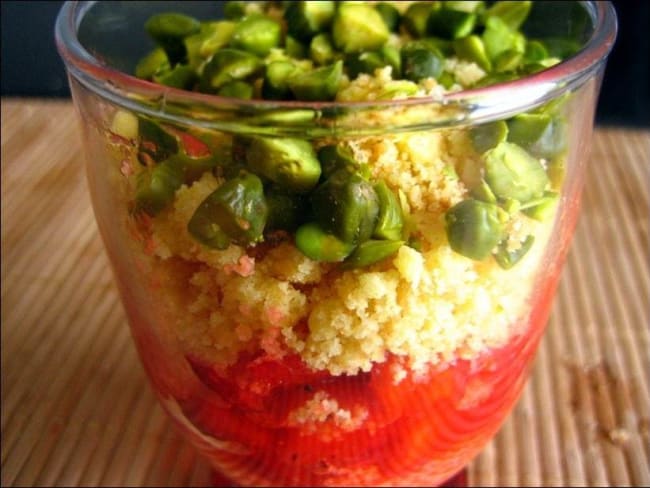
[[341, 309]]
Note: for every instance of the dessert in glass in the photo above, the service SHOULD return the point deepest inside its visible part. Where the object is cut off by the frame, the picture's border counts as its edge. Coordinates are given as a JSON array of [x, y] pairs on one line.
[[336, 227]]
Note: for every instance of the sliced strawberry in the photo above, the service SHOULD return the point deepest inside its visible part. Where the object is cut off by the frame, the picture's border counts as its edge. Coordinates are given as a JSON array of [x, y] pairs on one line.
[[250, 382]]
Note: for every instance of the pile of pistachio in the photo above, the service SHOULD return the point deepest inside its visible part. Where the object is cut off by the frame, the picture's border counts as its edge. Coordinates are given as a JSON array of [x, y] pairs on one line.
[[301, 50], [325, 198], [514, 180]]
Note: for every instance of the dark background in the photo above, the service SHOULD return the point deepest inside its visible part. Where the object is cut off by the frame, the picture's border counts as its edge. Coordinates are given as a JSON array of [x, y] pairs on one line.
[[32, 67]]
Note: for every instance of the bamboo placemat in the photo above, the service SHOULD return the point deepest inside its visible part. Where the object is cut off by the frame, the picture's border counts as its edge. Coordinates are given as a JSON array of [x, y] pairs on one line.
[[76, 408]]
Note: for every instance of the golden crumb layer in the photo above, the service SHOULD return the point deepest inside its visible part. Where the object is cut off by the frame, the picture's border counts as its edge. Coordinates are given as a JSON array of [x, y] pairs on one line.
[[426, 305]]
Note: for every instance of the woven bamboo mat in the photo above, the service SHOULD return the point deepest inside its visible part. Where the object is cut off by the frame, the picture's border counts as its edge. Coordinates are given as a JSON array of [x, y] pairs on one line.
[[76, 408]]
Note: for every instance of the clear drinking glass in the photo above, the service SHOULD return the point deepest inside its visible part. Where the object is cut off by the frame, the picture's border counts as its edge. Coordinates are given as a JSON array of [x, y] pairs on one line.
[[285, 371]]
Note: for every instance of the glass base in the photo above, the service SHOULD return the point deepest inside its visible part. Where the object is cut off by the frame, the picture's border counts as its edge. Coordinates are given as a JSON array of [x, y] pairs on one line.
[[457, 481]]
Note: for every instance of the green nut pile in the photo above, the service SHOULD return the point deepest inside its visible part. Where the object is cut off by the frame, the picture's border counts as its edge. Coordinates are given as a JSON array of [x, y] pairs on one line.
[[300, 50], [514, 180], [325, 198], [320, 194]]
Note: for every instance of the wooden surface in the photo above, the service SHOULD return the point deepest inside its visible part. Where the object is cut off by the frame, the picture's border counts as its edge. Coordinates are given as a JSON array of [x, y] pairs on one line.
[[76, 408]]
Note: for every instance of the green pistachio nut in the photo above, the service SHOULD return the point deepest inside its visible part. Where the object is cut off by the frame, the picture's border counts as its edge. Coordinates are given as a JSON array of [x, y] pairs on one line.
[[234, 9], [508, 60], [415, 18], [235, 212], [334, 157], [153, 63], [169, 29], [488, 136], [392, 57], [156, 187], [294, 48], [286, 210], [369, 61], [390, 221], [441, 47], [419, 64], [512, 173], [364, 62], [389, 14], [256, 34], [358, 27], [321, 49], [306, 19], [347, 206], [539, 133], [180, 76], [228, 65], [474, 228], [320, 84], [371, 252], [499, 37], [319, 245], [275, 85], [450, 24], [535, 51], [472, 48], [237, 89], [202, 45], [469, 6], [512, 13], [291, 163]]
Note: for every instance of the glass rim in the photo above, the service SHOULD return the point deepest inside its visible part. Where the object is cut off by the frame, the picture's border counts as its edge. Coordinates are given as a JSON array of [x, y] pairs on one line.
[[480, 104]]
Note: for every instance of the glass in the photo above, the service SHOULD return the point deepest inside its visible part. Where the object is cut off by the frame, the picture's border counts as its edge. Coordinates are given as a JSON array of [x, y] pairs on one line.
[[285, 371]]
